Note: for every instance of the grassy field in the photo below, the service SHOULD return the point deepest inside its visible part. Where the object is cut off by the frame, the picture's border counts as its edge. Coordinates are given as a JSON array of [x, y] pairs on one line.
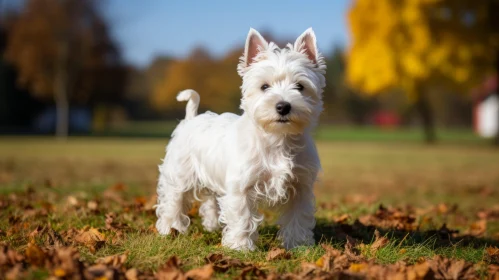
[[96, 195], [163, 129]]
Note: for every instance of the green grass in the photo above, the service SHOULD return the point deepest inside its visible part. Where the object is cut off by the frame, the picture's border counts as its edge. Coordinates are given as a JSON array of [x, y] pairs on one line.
[[357, 177]]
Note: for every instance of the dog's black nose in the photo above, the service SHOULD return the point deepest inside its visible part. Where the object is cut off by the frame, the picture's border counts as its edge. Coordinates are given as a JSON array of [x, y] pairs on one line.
[[283, 108]]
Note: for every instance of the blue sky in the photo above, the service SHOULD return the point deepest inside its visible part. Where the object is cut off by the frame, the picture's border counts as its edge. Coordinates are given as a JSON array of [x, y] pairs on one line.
[[172, 27]]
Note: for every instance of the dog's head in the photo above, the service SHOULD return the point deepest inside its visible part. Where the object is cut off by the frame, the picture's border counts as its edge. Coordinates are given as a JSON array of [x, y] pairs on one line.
[[282, 88]]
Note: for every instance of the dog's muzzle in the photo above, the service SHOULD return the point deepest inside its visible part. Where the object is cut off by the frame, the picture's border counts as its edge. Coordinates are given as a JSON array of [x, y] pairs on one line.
[[283, 108]]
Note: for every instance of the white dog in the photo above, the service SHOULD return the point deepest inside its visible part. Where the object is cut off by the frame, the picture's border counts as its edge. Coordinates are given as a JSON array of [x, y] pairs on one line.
[[266, 156]]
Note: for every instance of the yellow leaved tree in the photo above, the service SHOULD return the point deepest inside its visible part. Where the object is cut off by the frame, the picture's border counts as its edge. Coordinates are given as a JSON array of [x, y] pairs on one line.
[[418, 45]]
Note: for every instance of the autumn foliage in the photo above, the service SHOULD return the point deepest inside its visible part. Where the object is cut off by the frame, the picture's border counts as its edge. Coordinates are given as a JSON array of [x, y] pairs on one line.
[[411, 42], [215, 79], [34, 47]]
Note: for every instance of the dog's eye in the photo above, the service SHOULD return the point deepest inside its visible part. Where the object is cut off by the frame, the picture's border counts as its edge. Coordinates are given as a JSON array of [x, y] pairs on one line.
[[299, 86], [264, 87]]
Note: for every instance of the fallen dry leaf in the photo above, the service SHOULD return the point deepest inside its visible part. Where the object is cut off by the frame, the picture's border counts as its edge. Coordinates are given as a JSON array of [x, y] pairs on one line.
[[390, 218], [201, 273], [100, 271], [351, 250], [333, 260], [35, 254], [357, 267], [91, 238], [9, 257], [493, 271], [132, 274], [92, 205], [253, 272], [419, 270], [478, 228], [379, 242], [451, 269], [111, 224], [114, 260], [342, 219], [492, 254], [222, 263], [278, 254], [170, 270]]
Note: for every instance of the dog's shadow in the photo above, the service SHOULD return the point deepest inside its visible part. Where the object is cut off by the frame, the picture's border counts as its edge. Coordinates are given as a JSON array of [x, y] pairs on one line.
[[330, 232]]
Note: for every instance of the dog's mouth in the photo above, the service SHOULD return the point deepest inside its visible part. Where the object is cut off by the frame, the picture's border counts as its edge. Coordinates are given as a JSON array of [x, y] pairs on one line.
[[283, 121]]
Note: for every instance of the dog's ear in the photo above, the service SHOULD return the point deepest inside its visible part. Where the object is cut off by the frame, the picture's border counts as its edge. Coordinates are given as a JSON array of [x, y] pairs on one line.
[[307, 44], [254, 44]]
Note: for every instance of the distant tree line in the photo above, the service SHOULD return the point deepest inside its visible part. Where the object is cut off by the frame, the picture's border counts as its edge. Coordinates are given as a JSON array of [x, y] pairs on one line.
[[415, 60]]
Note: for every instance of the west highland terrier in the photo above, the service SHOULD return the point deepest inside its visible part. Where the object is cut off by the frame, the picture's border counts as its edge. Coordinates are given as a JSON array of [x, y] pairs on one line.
[[265, 157]]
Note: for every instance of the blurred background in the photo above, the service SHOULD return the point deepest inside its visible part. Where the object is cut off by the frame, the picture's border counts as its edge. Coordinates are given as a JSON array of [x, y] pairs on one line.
[[415, 70], [408, 138]]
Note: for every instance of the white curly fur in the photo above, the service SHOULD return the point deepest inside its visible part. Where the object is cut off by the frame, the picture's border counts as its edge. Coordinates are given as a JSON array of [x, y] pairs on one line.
[[236, 163]]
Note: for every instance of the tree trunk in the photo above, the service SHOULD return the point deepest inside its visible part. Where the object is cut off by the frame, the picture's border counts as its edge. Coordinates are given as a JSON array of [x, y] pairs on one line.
[[61, 92], [426, 114]]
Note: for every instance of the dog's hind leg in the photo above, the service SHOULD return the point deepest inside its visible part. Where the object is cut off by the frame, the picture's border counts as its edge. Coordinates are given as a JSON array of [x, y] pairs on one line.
[[210, 211], [172, 208]]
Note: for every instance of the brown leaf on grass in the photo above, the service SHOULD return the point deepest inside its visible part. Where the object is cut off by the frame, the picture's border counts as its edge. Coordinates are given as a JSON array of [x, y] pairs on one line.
[[351, 250], [253, 272], [49, 236], [201, 273], [35, 254], [493, 271], [65, 262], [309, 271], [91, 238], [222, 263], [114, 260], [170, 270], [333, 260], [419, 271], [278, 254], [9, 257], [15, 272], [132, 274], [100, 271], [492, 254], [35, 232], [478, 228], [390, 218], [73, 201], [92, 205], [358, 267], [444, 268], [111, 224], [342, 219], [379, 242]]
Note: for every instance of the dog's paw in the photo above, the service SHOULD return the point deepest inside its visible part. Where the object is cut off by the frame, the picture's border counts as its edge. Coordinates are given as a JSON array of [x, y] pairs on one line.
[[239, 245], [211, 225], [163, 226], [292, 243]]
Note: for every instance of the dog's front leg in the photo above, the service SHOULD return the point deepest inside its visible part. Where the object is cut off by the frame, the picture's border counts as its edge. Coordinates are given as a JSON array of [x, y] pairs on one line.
[[297, 220], [241, 219]]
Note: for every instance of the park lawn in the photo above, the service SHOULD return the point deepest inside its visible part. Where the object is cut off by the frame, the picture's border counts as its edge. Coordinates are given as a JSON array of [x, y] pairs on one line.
[[403, 189]]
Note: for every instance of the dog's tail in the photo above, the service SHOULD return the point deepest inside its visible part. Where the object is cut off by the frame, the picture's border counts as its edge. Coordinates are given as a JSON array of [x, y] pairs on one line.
[[192, 98]]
